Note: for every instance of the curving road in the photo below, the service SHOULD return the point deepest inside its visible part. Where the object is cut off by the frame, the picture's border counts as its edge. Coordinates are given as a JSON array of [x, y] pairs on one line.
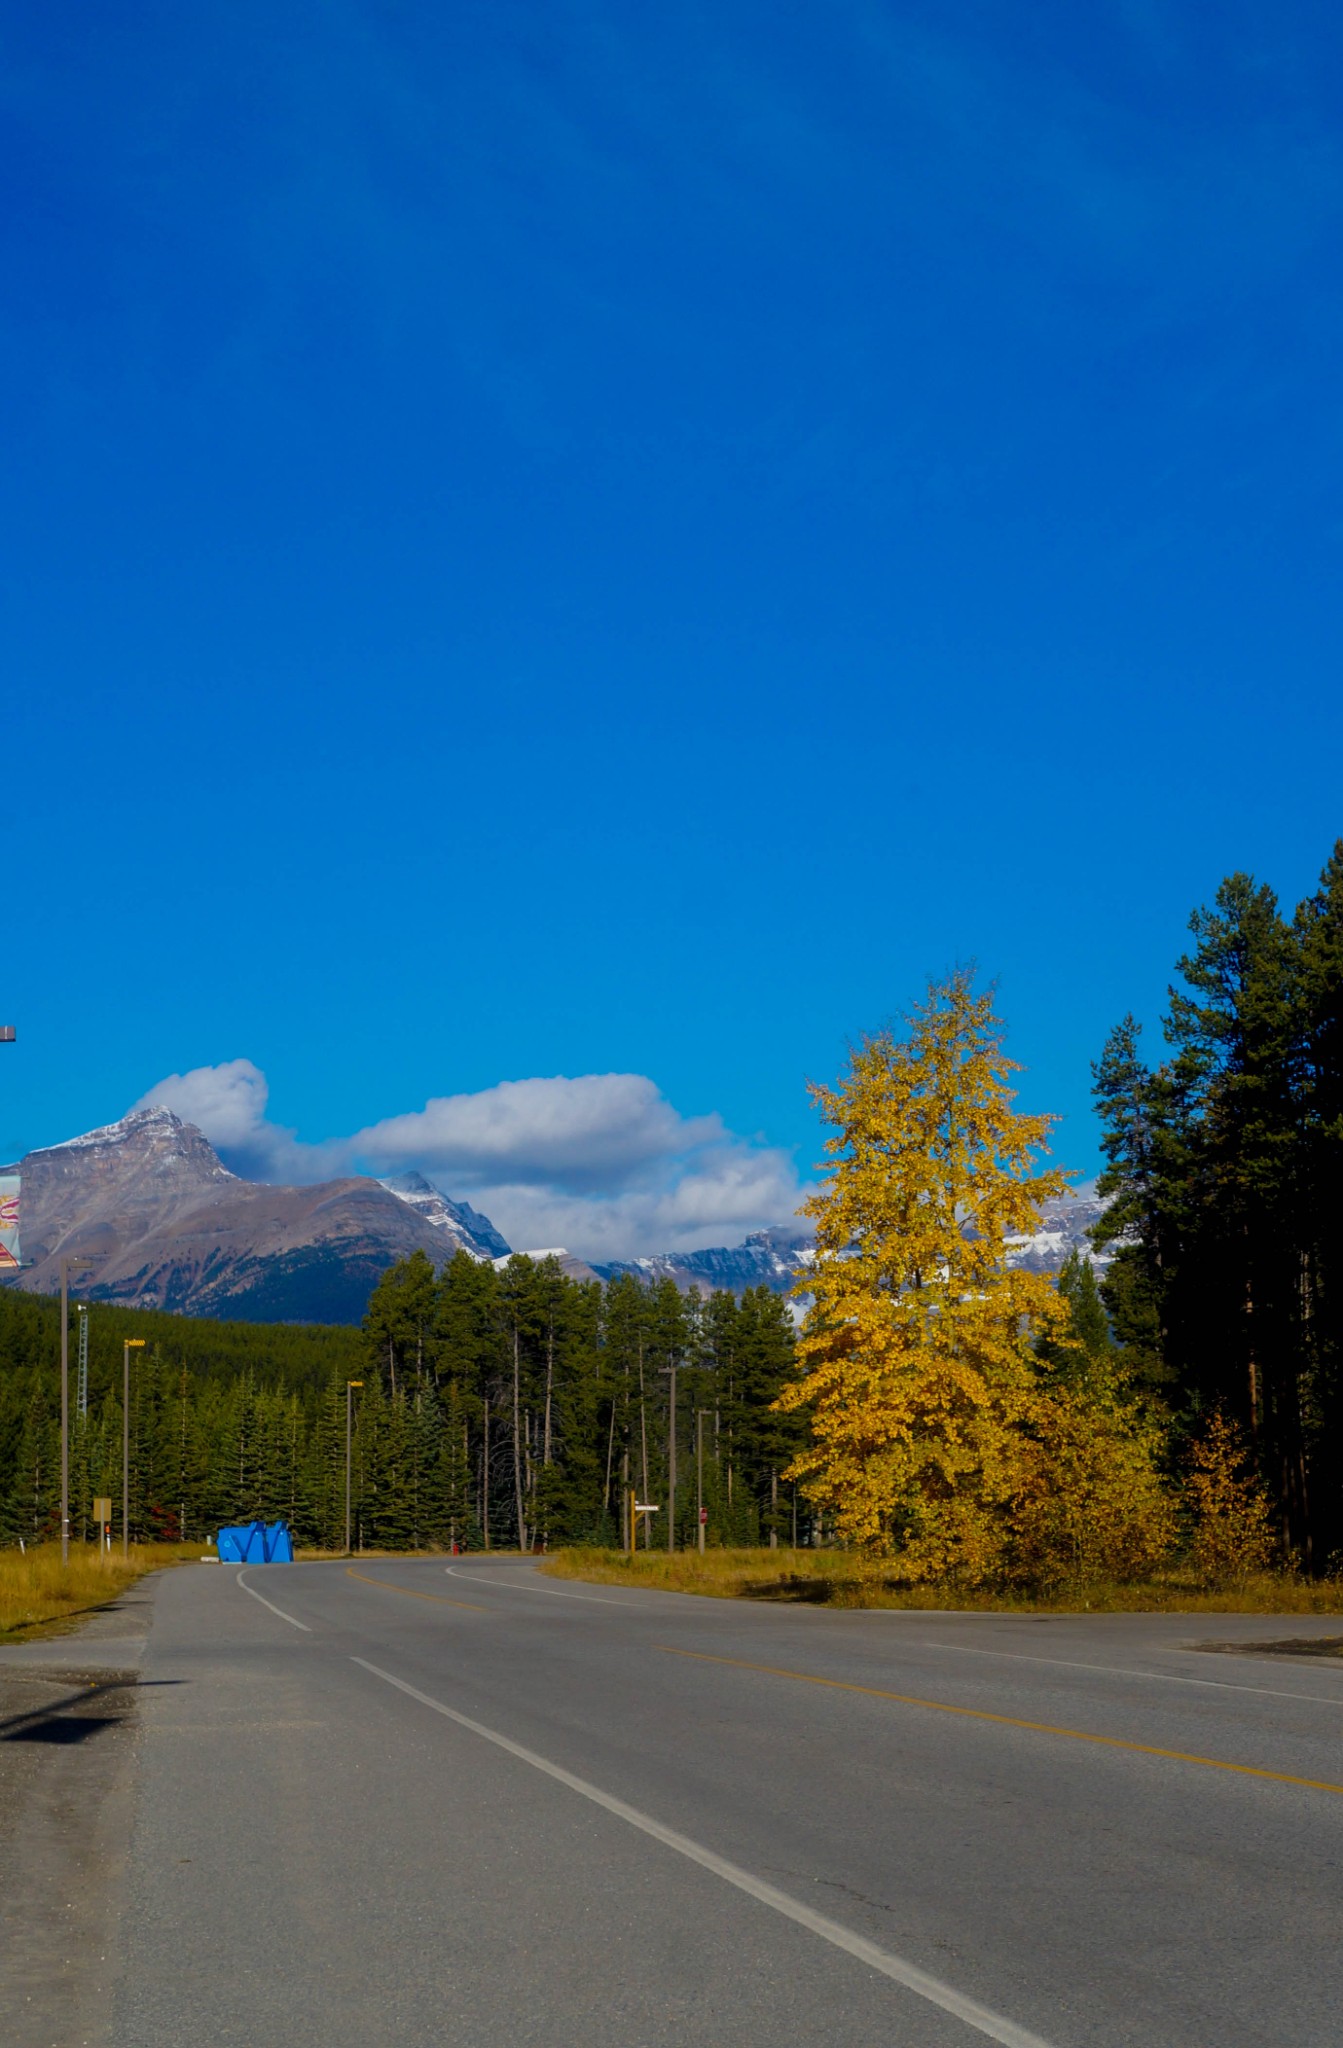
[[416, 1803]]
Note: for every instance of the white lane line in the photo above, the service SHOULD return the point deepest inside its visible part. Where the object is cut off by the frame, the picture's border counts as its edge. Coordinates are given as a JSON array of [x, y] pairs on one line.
[[273, 1608], [478, 1579], [932, 1989], [1318, 1699]]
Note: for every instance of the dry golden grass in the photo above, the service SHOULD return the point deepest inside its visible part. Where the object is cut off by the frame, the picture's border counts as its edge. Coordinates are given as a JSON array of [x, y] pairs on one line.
[[832, 1578], [40, 1596]]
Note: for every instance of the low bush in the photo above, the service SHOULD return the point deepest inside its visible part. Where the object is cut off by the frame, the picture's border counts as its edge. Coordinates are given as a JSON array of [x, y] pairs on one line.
[[837, 1578]]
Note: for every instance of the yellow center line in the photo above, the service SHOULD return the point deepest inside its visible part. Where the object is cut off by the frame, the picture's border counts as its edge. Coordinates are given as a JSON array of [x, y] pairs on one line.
[[439, 1599], [1178, 1756]]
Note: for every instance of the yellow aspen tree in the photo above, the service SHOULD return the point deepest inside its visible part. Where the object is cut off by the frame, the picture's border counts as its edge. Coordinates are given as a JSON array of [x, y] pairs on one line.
[[917, 1373]]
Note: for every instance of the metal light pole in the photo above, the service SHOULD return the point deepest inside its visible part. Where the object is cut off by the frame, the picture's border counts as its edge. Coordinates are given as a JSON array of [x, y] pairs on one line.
[[67, 1267], [350, 1385], [82, 1375], [131, 1344]]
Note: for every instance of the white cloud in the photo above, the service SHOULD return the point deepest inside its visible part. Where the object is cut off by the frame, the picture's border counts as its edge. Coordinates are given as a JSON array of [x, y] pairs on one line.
[[717, 1198], [594, 1131], [228, 1103], [601, 1163]]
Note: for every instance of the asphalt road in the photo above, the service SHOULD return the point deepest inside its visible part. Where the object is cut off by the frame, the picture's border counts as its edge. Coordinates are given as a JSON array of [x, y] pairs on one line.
[[409, 1804]]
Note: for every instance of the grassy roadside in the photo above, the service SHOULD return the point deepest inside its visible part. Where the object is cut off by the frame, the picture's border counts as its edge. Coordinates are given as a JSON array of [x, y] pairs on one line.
[[38, 1596], [830, 1578]]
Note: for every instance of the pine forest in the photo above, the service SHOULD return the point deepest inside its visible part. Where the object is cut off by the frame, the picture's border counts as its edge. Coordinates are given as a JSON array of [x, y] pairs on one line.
[[509, 1409]]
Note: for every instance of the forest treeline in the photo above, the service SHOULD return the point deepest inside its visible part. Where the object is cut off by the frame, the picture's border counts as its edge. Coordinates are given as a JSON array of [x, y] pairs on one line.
[[509, 1408], [1224, 1168]]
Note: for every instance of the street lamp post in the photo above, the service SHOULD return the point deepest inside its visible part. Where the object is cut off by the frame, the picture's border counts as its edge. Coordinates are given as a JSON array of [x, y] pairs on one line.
[[131, 1344], [68, 1265], [350, 1386]]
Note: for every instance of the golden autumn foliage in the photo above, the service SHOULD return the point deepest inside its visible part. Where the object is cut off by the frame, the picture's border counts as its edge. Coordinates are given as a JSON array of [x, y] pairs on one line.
[[1233, 1534], [1093, 1503], [918, 1374]]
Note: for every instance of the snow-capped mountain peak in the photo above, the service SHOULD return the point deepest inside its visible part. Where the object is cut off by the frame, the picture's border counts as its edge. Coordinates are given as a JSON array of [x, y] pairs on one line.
[[155, 1128], [464, 1226]]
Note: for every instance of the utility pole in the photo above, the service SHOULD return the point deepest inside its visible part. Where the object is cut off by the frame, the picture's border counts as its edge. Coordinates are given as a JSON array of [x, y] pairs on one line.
[[485, 1477], [131, 1344], [671, 1462], [699, 1478], [350, 1386], [68, 1265]]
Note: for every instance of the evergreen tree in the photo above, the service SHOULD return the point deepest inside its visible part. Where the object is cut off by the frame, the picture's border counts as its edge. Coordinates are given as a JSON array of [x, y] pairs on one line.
[[401, 1321], [1235, 1054], [770, 1437], [1144, 1185], [1083, 1354], [625, 1332], [1318, 932]]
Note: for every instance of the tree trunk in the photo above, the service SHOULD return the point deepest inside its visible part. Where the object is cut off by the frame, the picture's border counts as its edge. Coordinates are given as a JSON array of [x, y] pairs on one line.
[[643, 1438], [610, 1453], [517, 1439], [671, 1463]]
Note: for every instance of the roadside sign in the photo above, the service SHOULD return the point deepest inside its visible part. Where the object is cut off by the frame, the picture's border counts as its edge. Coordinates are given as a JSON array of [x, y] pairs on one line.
[[102, 1509], [703, 1515]]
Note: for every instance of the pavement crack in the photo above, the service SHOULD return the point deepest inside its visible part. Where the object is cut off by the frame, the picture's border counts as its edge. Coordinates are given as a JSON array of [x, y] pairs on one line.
[[834, 1884]]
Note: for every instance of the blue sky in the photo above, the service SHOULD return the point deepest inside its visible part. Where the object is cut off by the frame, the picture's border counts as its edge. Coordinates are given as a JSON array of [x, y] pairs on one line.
[[556, 542]]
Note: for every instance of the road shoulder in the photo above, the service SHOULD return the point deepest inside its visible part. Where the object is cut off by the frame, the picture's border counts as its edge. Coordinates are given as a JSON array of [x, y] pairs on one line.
[[67, 1782]]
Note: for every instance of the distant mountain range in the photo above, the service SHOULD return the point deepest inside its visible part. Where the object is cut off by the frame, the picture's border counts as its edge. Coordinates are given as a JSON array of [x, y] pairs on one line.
[[164, 1224], [775, 1258], [767, 1258]]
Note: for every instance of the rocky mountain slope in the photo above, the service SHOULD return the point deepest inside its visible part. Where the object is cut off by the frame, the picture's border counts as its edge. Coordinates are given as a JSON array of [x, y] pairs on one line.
[[166, 1225]]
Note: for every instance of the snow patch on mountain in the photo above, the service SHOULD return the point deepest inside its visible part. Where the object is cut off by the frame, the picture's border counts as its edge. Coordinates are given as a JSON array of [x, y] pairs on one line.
[[468, 1230], [1064, 1226], [767, 1258], [176, 1138]]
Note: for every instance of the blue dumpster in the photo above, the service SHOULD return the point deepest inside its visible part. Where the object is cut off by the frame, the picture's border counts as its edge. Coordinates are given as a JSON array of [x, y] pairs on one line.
[[255, 1543]]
